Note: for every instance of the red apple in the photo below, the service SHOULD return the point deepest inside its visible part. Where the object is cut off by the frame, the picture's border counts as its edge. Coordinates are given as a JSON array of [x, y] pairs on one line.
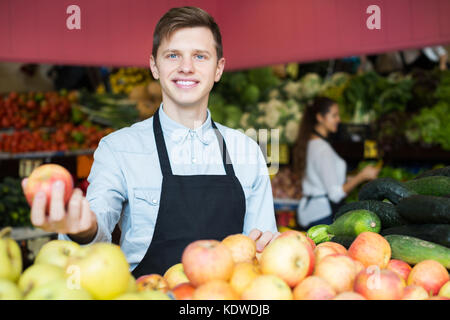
[[376, 284], [429, 274], [288, 258], [371, 249], [414, 292], [42, 179], [152, 282], [215, 290], [313, 288], [338, 270], [349, 295], [400, 267], [305, 239], [243, 248], [183, 291], [206, 260]]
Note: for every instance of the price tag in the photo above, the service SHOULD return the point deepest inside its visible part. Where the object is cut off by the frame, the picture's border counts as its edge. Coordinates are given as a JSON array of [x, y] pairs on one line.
[[370, 149], [84, 164], [26, 166]]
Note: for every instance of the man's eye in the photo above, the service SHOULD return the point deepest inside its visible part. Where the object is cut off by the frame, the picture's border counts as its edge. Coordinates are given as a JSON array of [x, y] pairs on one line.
[[172, 56], [201, 57]]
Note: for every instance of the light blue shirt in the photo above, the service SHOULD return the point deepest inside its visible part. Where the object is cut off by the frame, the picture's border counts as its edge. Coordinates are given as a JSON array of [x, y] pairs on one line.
[[125, 178]]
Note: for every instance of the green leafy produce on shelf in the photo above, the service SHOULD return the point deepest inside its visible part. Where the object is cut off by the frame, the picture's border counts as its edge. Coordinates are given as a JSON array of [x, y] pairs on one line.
[[431, 126], [233, 116], [14, 208]]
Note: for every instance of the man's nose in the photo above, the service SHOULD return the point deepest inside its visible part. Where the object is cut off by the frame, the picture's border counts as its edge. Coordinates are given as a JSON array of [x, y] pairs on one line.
[[186, 65]]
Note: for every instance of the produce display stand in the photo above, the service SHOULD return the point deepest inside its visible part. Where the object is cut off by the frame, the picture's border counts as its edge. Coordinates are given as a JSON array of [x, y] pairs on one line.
[[30, 241]]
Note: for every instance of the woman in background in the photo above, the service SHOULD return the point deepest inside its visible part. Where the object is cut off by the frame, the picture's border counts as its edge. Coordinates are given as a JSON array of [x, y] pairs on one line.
[[322, 171]]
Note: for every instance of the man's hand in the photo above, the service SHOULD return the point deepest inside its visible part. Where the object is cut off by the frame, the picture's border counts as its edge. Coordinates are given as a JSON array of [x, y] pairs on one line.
[[262, 239], [78, 221]]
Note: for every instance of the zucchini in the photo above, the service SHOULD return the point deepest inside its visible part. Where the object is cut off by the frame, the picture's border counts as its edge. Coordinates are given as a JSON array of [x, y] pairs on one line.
[[384, 188], [413, 250], [431, 186], [349, 224], [435, 172], [389, 217], [425, 209], [437, 233]]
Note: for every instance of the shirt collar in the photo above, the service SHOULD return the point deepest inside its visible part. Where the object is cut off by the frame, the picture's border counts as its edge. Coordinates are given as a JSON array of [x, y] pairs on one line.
[[178, 132]]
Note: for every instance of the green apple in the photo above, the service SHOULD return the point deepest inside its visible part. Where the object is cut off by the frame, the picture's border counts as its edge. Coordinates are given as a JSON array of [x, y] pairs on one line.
[[102, 269], [154, 295], [57, 252], [130, 296], [132, 285], [58, 289], [9, 290], [38, 275], [10, 257]]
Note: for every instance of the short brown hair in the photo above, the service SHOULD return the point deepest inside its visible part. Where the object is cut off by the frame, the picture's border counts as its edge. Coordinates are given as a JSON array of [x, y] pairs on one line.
[[185, 17]]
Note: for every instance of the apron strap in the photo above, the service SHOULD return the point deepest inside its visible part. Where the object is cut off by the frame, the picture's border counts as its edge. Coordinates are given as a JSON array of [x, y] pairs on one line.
[[164, 157], [224, 151], [161, 146]]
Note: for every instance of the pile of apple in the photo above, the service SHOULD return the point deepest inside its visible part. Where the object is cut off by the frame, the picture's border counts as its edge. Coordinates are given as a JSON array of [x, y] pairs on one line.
[[293, 267]]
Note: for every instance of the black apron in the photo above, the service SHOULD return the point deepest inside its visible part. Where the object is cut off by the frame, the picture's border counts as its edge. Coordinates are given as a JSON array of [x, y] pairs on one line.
[[333, 205], [191, 208]]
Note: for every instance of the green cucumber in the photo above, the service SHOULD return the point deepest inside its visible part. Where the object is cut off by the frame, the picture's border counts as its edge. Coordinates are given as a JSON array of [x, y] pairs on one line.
[[435, 172], [431, 186], [437, 233], [425, 209], [349, 224], [389, 217], [384, 188], [413, 250]]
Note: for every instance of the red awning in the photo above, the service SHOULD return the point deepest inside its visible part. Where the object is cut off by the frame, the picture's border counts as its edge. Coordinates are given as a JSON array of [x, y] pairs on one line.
[[255, 32]]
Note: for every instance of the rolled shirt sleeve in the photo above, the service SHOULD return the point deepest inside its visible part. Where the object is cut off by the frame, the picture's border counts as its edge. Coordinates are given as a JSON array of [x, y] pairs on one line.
[[106, 192], [327, 172]]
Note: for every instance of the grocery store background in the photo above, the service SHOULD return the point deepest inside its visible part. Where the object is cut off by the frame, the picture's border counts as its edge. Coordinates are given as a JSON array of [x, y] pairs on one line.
[[63, 89]]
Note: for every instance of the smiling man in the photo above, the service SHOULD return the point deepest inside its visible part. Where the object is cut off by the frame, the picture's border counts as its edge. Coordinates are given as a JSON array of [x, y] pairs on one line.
[[178, 176]]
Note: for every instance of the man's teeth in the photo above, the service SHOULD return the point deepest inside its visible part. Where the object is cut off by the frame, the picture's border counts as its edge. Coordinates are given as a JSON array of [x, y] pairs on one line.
[[186, 83]]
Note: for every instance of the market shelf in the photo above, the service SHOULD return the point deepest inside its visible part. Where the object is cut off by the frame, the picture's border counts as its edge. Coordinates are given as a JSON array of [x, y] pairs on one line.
[[44, 154], [28, 233], [286, 204]]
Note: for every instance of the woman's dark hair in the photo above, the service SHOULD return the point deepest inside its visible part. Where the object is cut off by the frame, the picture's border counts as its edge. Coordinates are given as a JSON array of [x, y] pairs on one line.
[[320, 105]]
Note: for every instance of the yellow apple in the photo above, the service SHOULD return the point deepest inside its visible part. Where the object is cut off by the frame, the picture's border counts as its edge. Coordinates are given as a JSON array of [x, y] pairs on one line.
[[102, 269], [38, 275], [58, 289], [288, 258], [267, 287], [243, 274], [10, 257], [9, 290], [243, 248], [57, 252], [154, 295], [175, 275]]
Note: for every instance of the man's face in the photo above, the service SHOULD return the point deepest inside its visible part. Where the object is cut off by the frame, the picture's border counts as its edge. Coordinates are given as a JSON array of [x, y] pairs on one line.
[[187, 67]]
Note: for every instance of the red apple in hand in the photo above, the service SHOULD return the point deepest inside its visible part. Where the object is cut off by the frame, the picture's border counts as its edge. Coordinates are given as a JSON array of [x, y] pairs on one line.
[[42, 179]]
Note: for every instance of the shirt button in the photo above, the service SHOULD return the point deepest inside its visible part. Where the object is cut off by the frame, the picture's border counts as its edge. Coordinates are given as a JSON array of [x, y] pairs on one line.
[[154, 201], [194, 160]]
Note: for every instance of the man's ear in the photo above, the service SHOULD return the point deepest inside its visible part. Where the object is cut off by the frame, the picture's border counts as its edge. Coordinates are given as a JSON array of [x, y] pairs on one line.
[[219, 69], [154, 68], [319, 118]]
